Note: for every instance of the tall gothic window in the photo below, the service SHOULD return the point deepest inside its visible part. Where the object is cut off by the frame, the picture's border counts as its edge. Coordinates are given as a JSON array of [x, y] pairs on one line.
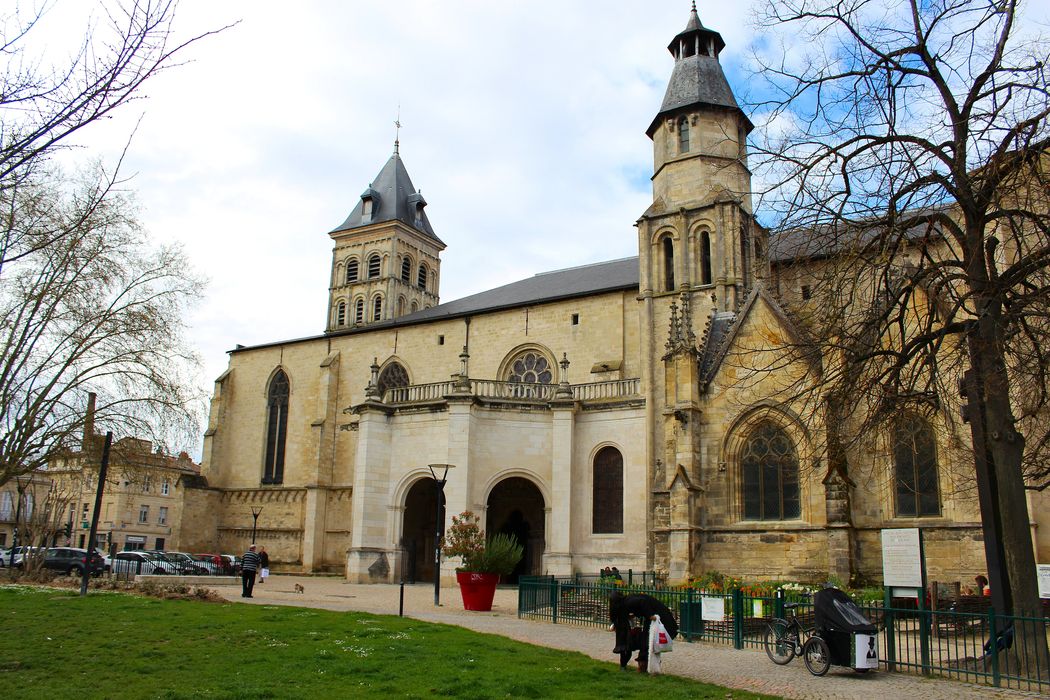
[[351, 270], [421, 278], [406, 270], [705, 257], [915, 468], [608, 491], [377, 308], [683, 135], [276, 428], [392, 377], [668, 255], [769, 467], [373, 266]]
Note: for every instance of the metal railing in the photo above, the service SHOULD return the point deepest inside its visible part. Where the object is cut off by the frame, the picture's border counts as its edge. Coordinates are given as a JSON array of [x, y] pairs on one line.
[[930, 642]]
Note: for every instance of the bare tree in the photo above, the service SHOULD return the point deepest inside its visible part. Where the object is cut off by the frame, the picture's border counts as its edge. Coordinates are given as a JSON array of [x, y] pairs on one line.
[[906, 165], [86, 304]]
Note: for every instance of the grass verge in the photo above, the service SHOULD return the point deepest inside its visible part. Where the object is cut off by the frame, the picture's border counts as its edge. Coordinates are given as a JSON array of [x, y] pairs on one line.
[[115, 645]]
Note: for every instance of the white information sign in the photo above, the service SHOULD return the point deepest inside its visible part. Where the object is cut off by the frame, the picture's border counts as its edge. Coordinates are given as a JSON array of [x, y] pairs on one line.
[[712, 609], [1044, 580], [901, 557]]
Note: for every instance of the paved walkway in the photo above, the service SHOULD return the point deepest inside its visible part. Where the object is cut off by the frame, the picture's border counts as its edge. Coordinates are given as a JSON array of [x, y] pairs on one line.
[[722, 665]]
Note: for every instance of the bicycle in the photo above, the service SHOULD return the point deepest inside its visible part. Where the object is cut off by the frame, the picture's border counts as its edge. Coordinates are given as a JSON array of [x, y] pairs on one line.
[[785, 639]]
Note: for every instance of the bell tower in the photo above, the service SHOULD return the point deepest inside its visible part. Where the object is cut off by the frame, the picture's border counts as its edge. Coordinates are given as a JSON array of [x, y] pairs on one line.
[[385, 261], [698, 234]]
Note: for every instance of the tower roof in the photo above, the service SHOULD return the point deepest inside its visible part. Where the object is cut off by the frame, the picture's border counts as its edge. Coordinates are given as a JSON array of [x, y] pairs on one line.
[[697, 78], [392, 197]]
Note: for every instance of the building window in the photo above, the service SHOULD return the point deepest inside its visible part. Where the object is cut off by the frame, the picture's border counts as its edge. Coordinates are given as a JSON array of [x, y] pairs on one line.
[[441, 340], [575, 319], [162, 515], [160, 543], [392, 377], [770, 475], [406, 270], [806, 292], [377, 308], [415, 307], [373, 266], [7, 506], [165, 487], [27, 508], [366, 209], [147, 483], [351, 270], [402, 304], [276, 428], [668, 255], [915, 468], [705, 257], [340, 314], [359, 311], [143, 514], [683, 135], [530, 367], [421, 277], [608, 492]]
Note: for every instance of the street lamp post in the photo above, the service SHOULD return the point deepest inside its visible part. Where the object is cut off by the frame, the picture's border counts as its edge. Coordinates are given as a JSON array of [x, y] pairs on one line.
[[439, 522], [256, 510], [21, 482]]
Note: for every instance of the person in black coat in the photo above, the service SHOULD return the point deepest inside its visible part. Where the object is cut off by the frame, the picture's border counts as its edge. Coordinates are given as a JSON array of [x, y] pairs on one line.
[[631, 617]]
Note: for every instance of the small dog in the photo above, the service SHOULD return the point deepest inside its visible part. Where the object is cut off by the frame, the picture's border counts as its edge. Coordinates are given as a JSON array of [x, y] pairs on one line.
[[299, 588]]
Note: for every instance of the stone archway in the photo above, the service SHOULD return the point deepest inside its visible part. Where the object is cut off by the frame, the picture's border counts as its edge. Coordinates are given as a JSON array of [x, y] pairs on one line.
[[418, 531], [516, 507]]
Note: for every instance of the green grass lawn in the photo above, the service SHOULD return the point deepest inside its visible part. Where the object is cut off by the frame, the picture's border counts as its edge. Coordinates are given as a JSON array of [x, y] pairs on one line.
[[113, 645]]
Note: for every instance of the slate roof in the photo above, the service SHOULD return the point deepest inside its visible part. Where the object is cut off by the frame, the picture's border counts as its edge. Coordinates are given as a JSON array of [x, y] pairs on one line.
[[822, 241], [697, 79], [717, 331], [610, 276], [541, 288], [392, 190]]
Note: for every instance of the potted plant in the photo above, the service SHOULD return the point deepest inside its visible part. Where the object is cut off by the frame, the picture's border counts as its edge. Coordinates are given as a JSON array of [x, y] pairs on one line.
[[482, 561]]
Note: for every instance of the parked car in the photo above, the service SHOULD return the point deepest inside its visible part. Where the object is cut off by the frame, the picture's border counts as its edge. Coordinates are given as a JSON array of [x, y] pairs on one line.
[[182, 563], [234, 563], [225, 564], [138, 562], [212, 562], [20, 554], [73, 561]]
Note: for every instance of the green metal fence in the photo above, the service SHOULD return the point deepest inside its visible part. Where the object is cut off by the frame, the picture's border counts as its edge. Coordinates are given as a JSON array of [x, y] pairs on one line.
[[930, 642]]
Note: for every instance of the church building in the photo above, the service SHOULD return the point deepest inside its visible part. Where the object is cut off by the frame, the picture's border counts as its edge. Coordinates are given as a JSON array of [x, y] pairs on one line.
[[604, 414]]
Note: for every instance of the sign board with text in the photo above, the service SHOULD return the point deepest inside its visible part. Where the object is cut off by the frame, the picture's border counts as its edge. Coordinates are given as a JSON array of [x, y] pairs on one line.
[[902, 557]]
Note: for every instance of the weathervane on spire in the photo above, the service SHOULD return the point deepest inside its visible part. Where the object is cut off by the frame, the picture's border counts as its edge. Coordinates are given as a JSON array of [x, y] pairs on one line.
[[397, 133]]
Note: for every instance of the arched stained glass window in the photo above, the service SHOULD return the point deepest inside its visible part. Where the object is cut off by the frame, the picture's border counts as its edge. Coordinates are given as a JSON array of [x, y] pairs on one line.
[[392, 376], [530, 367], [608, 492], [769, 467], [276, 428], [915, 468]]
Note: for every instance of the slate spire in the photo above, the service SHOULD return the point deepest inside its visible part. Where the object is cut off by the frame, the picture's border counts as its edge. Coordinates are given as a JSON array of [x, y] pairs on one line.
[[697, 78]]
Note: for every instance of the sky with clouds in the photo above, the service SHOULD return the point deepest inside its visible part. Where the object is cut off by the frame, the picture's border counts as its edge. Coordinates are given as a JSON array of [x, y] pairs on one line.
[[522, 123]]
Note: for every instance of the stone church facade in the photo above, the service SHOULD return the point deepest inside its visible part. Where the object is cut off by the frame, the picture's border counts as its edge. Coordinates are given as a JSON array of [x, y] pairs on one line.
[[605, 414]]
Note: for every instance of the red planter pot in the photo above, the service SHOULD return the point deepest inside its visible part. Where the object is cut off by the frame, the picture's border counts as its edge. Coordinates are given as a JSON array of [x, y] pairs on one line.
[[478, 589]]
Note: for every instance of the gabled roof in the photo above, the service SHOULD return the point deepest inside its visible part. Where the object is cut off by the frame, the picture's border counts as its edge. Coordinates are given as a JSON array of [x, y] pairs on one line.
[[544, 287], [394, 198]]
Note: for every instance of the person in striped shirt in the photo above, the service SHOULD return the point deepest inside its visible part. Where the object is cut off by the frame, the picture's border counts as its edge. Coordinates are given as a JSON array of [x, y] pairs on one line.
[[249, 565]]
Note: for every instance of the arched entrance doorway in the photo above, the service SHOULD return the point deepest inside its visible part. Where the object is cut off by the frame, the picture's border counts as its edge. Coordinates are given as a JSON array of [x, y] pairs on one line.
[[516, 507], [418, 531]]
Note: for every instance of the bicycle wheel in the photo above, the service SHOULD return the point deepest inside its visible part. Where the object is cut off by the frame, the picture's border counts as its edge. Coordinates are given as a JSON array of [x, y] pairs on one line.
[[817, 656], [779, 642]]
